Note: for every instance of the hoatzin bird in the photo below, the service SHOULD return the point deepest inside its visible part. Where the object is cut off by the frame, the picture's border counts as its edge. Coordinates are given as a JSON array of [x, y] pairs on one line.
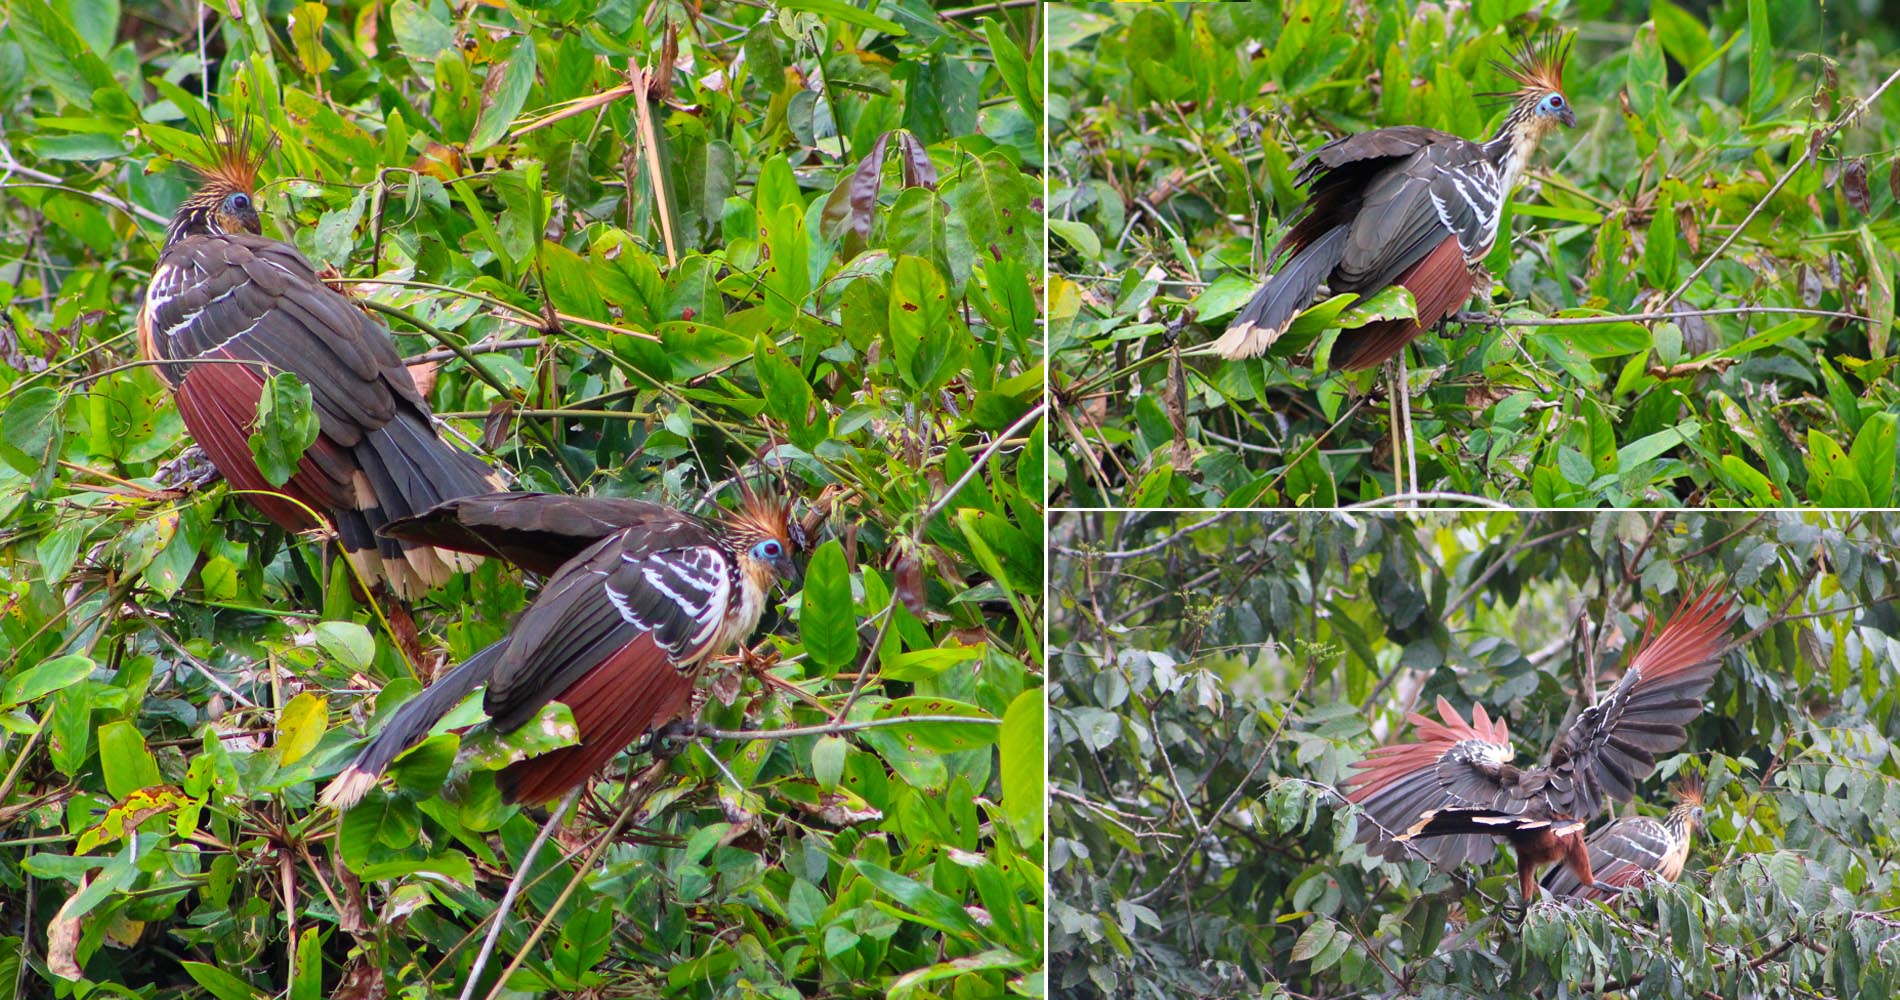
[[1633, 848], [1404, 205], [617, 634], [226, 309], [1445, 797]]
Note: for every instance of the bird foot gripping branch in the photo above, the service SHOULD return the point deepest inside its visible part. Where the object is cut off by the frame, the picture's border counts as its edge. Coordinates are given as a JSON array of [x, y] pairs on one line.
[[1450, 796], [1406, 206]]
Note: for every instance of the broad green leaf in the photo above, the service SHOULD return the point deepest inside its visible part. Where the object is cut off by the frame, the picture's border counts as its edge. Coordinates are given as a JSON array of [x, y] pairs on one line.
[[127, 764], [1021, 750], [500, 103], [1761, 61], [286, 426], [38, 681], [827, 620], [348, 642], [221, 984], [306, 37], [839, 10]]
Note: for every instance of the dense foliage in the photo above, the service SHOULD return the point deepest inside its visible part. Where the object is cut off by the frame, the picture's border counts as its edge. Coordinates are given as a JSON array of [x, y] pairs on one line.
[[1174, 130], [1215, 678], [638, 248]]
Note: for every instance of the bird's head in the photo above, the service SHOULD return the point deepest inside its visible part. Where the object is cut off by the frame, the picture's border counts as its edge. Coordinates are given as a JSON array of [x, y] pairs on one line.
[[226, 200], [767, 535], [1539, 103], [1689, 799]]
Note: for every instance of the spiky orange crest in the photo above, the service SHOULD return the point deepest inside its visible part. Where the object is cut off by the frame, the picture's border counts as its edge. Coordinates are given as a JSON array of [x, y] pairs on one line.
[[762, 515], [1689, 789], [1537, 64], [232, 162]]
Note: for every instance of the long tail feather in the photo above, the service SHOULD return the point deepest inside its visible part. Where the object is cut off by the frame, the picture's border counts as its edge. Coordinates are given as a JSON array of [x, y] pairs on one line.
[[407, 726], [1289, 290]]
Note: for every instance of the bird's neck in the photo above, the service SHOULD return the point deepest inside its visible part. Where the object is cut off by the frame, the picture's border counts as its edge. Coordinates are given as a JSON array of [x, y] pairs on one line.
[[1680, 823], [1514, 145]]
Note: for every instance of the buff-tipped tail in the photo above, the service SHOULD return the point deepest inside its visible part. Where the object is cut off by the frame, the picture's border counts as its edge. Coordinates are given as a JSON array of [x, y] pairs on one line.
[[407, 726], [1288, 291]]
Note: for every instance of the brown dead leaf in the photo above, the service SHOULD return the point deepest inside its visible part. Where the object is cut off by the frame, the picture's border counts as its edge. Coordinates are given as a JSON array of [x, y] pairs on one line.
[[423, 373], [62, 937]]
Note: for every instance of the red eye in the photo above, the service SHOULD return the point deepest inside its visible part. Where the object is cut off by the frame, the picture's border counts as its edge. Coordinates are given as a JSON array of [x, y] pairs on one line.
[[1556, 100]]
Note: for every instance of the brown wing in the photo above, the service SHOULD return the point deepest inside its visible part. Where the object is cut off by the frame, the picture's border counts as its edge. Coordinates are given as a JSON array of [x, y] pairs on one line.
[[674, 582], [225, 311], [1452, 765], [635, 690], [615, 636], [1614, 743], [537, 531], [1623, 853]]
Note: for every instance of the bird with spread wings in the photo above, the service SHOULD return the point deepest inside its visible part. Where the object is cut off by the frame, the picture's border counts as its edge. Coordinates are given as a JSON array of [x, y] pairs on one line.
[[1452, 794]]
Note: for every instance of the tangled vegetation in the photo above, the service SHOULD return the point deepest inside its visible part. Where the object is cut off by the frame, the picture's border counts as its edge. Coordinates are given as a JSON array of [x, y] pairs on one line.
[[1216, 676], [1731, 176], [630, 249]]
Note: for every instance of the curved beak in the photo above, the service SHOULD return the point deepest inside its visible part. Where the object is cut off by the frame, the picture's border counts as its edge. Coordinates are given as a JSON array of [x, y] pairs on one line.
[[1568, 117], [787, 571]]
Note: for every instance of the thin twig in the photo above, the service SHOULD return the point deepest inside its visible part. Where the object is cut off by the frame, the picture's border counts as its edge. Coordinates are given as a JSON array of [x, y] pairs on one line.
[[1814, 144], [514, 889], [1487, 319]]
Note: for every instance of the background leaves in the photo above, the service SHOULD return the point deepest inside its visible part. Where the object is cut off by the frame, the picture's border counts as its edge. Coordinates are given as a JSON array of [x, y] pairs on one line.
[[1217, 676], [629, 249], [1175, 134]]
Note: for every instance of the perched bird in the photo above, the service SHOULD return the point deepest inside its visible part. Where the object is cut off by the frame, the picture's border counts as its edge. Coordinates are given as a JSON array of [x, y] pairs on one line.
[[1633, 848], [226, 309], [1404, 205], [617, 634], [1450, 795]]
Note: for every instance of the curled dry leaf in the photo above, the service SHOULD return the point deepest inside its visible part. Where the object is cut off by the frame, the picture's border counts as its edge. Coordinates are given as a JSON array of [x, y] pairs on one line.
[[1854, 185], [62, 937]]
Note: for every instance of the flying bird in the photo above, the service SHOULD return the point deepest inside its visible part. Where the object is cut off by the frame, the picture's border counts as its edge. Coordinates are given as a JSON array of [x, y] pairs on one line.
[[1452, 794], [1406, 206]]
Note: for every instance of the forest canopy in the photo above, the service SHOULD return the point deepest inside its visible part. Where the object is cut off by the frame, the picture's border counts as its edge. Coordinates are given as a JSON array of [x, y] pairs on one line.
[[1216, 676]]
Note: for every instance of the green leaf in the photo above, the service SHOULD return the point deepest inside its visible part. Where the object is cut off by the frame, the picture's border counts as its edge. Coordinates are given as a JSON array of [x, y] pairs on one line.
[[127, 764], [1021, 750], [1013, 67], [56, 674], [502, 102], [828, 755], [1659, 247], [286, 426], [31, 434], [221, 984], [306, 37], [788, 396], [827, 621], [838, 10], [937, 736], [927, 339], [1873, 455], [349, 642], [60, 58], [1880, 298], [1761, 61], [1078, 235]]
